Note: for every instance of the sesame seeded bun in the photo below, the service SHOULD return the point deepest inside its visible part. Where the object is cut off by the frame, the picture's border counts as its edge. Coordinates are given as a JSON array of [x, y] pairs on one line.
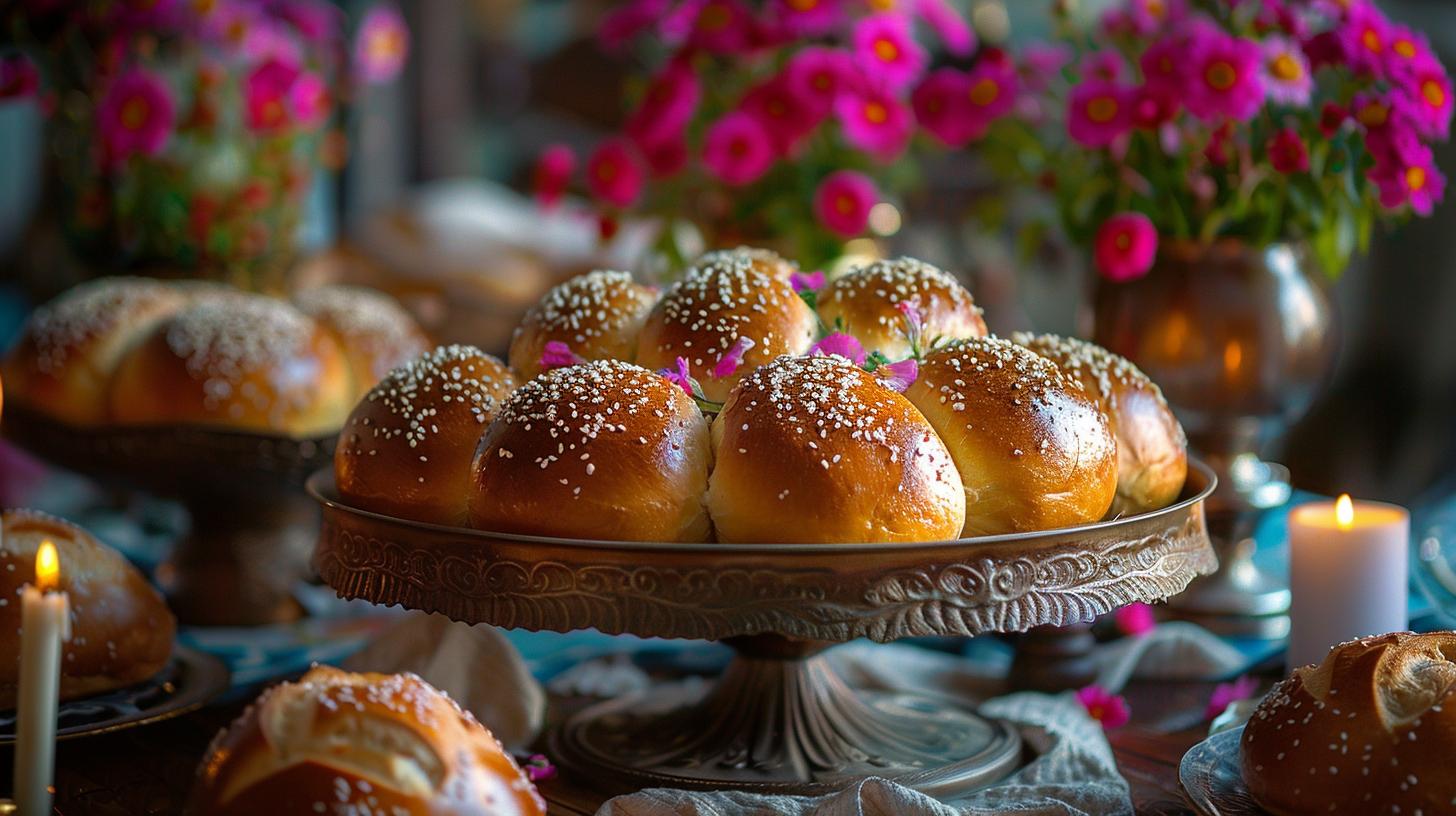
[[597, 315], [1033, 450], [337, 743], [764, 260], [863, 303], [814, 449], [1370, 730], [406, 449], [375, 333], [121, 631], [70, 348], [705, 314], [601, 450], [1152, 452], [246, 362]]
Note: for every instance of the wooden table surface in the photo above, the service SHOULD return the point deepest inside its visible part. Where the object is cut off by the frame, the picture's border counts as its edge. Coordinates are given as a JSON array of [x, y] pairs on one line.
[[148, 770]]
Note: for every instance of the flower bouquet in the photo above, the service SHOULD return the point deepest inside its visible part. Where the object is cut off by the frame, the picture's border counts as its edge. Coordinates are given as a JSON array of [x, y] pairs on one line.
[[780, 123], [184, 135]]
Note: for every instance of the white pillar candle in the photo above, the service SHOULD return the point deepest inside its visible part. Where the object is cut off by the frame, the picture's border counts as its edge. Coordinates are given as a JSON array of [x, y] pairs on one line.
[[45, 623], [1347, 574]]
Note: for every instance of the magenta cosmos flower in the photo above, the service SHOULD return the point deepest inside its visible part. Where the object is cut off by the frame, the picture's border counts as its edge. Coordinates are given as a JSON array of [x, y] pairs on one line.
[[1106, 65], [782, 113], [667, 106], [720, 26], [628, 20], [991, 89], [1042, 64], [265, 95], [842, 203], [1225, 82], [613, 174], [841, 344], [885, 49], [1409, 177], [1405, 52], [737, 149], [1135, 619], [1365, 37], [382, 45], [1105, 707], [557, 354], [1287, 79], [1287, 152], [136, 115], [954, 32], [817, 76], [1098, 112], [807, 18], [1226, 694], [309, 100], [942, 107], [1125, 247], [875, 121], [1430, 90], [1164, 64], [552, 174]]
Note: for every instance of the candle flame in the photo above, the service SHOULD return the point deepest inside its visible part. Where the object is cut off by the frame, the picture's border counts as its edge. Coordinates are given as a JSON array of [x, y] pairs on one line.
[[47, 567], [1345, 512]]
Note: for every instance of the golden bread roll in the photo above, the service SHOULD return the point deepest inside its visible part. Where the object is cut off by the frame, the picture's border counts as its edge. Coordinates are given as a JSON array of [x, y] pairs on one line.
[[376, 334], [601, 450], [1371, 729], [1152, 452], [718, 306], [246, 362], [764, 260], [597, 315], [1033, 450], [406, 449], [121, 631], [71, 346], [341, 743], [814, 449], [865, 303]]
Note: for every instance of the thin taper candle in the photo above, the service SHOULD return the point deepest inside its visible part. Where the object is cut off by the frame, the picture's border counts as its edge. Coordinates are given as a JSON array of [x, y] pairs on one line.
[[45, 623]]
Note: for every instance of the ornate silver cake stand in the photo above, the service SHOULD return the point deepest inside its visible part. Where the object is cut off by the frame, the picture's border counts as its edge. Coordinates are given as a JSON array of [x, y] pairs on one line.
[[779, 719]]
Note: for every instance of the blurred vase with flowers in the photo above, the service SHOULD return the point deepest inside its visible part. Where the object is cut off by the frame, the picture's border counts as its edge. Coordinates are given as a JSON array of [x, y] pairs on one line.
[[1221, 161], [184, 135]]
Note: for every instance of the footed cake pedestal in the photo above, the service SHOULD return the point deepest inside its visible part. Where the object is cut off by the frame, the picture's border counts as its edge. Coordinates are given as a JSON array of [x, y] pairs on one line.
[[779, 719]]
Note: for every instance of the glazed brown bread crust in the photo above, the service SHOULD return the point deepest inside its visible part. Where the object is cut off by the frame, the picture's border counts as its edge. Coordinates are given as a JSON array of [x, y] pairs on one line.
[[816, 450], [121, 631], [375, 333], [1152, 452], [703, 315], [70, 347], [336, 742], [764, 260], [602, 450], [1033, 450], [1372, 729], [406, 449], [598, 315], [863, 303], [242, 361]]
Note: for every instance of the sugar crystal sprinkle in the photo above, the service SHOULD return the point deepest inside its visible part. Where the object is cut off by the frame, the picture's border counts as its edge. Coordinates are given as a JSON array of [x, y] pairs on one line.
[[450, 379], [367, 319], [88, 310], [590, 306], [894, 281]]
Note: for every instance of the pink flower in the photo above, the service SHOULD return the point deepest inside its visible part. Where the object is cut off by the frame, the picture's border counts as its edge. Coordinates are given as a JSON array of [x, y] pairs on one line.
[[538, 768], [807, 18], [1407, 51], [1125, 246], [1409, 179], [991, 89], [842, 344], [136, 115], [667, 157], [1226, 78], [817, 76], [899, 376], [875, 121], [667, 106], [230, 23], [1365, 37], [1098, 112], [680, 375], [1431, 92], [1135, 619], [721, 26], [737, 149], [843, 201], [613, 174], [265, 94], [1163, 64], [1287, 152], [914, 323], [1105, 707], [269, 40], [382, 45], [784, 116], [952, 29], [806, 281], [942, 107], [1226, 694], [18, 77], [552, 174], [557, 354], [1142, 17], [628, 20], [732, 359], [885, 48], [1106, 65], [309, 100], [1287, 79], [1153, 106]]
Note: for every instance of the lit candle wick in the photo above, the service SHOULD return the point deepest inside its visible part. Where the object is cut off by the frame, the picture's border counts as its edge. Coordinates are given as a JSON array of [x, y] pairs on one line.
[[47, 567], [1344, 512]]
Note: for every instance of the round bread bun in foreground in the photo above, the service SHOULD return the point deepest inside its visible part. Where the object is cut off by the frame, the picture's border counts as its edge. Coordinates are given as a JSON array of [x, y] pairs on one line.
[[597, 316], [1152, 452], [341, 743], [1370, 730], [375, 332], [714, 307], [121, 630], [71, 346], [1033, 450], [764, 260], [865, 303], [601, 450], [246, 362], [814, 449], [407, 448]]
